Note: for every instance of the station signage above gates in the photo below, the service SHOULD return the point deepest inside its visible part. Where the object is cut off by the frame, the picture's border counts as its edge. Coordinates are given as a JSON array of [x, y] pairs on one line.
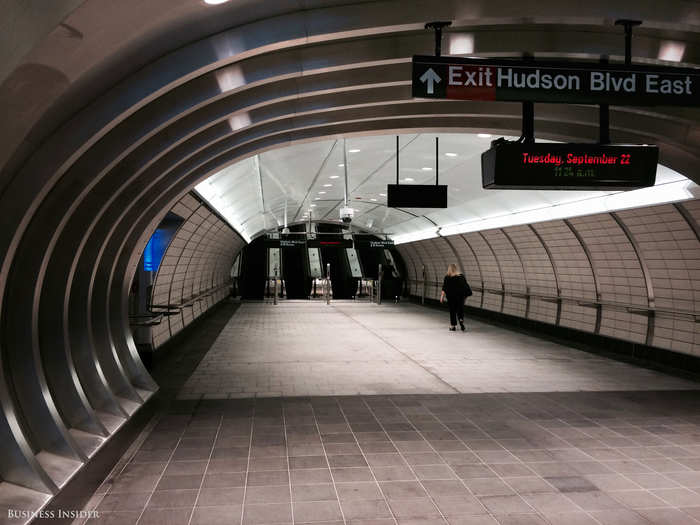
[[373, 243], [284, 241], [564, 82]]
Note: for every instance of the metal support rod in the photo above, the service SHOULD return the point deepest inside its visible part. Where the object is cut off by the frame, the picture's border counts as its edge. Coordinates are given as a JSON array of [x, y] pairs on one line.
[[274, 288], [437, 27], [437, 140], [397, 159], [528, 133], [422, 293], [528, 124], [345, 168], [604, 116], [628, 25], [380, 274], [328, 283]]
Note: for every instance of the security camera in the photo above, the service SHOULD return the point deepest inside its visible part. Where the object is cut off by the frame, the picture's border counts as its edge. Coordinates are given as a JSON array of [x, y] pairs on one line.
[[346, 214]]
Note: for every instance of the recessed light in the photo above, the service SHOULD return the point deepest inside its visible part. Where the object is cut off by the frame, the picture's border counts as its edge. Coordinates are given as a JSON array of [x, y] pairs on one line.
[[334, 176], [321, 192], [408, 179], [426, 168], [484, 135], [317, 198], [353, 151], [671, 51], [373, 200], [451, 154], [382, 194], [215, 2], [327, 185], [341, 165], [313, 205]]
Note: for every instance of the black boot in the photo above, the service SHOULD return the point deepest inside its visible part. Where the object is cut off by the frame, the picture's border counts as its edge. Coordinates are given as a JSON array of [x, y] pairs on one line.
[[461, 325]]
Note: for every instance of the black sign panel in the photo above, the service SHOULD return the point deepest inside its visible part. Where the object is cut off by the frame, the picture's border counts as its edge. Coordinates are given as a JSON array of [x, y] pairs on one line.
[[283, 241], [329, 243], [565, 82], [374, 243], [293, 242], [514, 165], [416, 196]]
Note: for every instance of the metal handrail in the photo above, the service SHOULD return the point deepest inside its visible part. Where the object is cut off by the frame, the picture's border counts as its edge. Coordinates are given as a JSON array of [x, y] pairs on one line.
[[593, 303]]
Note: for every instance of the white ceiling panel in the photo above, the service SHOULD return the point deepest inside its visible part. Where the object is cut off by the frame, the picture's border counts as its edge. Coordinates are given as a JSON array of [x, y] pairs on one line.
[[252, 194]]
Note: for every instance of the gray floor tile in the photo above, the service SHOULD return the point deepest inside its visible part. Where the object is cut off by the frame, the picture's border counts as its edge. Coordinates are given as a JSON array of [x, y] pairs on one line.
[[365, 509], [219, 515], [264, 514], [346, 475], [510, 504], [402, 489], [312, 511], [220, 496], [393, 473], [320, 492], [368, 490], [310, 476], [270, 477], [124, 501], [414, 508], [456, 506], [170, 499], [115, 518], [180, 482], [350, 460], [267, 494], [431, 472], [224, 479], [165, 517]]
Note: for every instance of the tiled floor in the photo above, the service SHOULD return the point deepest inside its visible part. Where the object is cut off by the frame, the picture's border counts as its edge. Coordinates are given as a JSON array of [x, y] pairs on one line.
[[442, 441], [558, 458], [347, 348]]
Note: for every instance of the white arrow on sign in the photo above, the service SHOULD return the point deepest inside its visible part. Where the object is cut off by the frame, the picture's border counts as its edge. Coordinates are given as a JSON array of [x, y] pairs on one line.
[[431, 77]]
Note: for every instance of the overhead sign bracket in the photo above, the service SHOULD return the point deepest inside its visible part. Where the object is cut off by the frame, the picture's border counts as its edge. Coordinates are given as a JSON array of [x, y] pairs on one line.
[[437, 27]]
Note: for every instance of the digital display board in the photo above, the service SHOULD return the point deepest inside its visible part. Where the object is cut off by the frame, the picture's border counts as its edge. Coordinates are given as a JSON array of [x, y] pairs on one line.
[[416, 196], [541, 166], [330, 243]]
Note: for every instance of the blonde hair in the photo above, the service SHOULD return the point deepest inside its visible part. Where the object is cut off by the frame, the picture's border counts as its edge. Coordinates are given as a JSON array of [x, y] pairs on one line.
[[452, 269]]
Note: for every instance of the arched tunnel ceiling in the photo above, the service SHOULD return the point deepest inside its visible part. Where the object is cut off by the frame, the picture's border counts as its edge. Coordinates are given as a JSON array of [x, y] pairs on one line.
[[253, 194], [114, 114]]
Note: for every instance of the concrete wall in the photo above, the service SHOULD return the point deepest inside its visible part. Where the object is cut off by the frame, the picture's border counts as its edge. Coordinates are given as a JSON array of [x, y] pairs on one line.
[[632, 275], [195, 272]]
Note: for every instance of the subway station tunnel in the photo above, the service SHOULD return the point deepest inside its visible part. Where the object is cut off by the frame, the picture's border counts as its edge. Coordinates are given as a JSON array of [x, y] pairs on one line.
[[148, 375]]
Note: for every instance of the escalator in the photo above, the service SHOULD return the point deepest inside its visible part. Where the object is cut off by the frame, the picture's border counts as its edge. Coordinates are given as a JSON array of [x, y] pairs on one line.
[[295, 270], [253, 270], [392, 265], [343, 283]]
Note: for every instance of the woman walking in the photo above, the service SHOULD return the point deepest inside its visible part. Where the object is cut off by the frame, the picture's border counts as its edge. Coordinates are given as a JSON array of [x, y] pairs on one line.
[[456, 289]]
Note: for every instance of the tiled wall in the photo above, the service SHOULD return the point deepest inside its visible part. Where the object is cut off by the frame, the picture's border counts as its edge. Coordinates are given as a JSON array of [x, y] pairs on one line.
[[195, 270], [632, 275]]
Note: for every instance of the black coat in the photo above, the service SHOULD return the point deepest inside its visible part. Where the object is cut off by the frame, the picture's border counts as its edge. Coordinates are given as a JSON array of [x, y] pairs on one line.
[[456, 287]]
